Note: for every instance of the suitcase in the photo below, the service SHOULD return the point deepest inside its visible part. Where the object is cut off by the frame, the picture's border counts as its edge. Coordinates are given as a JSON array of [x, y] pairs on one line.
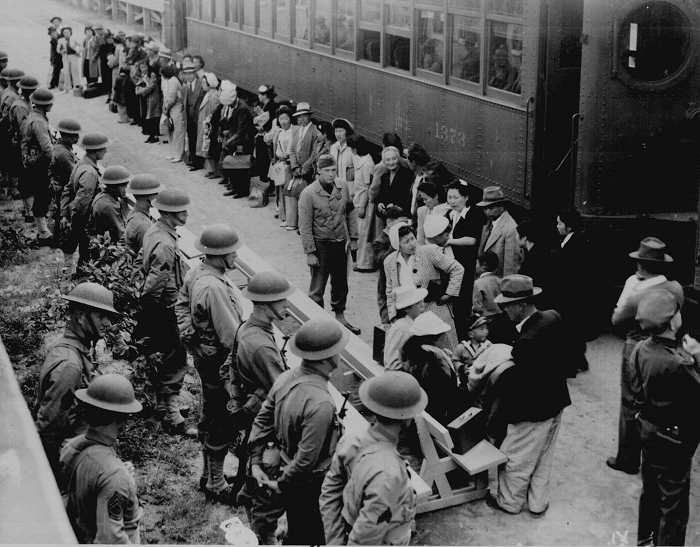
[[378, 342]]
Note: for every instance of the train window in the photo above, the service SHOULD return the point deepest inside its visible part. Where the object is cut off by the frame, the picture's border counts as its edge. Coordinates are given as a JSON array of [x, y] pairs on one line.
[[512, 8], [398, 37], [265, 24], [371, 12], [345, 25], [301, 20], [505, 53], [322, 18], [282, 8], [206, 11], [233, 15], [466, 47], [371, 43], [431, 33], [654, 46], [249, 13]]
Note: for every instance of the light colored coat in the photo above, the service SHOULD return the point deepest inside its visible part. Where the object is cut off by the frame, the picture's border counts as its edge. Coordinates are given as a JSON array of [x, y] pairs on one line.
[[503, 241], [206, 109]]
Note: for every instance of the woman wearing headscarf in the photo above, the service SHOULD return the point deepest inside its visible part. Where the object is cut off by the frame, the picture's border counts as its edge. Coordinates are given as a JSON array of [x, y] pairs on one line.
[[147, 89], [210, 102], [173, 114], [91, 64], [69, 48], [425, 266]]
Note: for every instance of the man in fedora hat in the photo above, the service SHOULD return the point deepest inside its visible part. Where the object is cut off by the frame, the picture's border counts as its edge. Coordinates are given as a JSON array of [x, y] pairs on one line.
[[299, 417], [499, 234], [666, 387], [538, 395], [99, 488], [301, 153], [367, 497], [652, 261], [409, 305]]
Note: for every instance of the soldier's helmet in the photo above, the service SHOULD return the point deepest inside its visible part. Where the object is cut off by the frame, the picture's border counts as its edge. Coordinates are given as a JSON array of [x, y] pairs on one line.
[[267, 287], [28, 82], [92, 295], [3, 56], [219, 239], [13, 74], [319, 338], [115, 174], [95, 141], [172, 200], [4, 73], [394, 394], [41, 97], [111, 392], [144, 184], [69, 125]]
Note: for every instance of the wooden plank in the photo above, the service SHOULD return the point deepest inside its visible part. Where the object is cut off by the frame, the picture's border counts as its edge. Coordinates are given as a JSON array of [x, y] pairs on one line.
[[438, 431], [480, 458], [456, 499]]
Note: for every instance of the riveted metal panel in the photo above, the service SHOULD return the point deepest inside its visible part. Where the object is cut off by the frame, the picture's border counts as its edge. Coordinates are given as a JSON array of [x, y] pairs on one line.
[[371, 103]]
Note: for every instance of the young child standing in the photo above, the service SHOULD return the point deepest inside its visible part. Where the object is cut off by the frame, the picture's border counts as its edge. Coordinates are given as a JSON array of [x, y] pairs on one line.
[[487, 285], [467, 350]]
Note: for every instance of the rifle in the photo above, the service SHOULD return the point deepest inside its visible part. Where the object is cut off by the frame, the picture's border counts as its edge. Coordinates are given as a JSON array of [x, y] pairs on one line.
[[283, 352]]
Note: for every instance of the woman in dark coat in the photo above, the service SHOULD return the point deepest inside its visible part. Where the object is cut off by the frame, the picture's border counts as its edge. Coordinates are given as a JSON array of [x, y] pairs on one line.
[[91, 64], [396, 183], [152, 108]]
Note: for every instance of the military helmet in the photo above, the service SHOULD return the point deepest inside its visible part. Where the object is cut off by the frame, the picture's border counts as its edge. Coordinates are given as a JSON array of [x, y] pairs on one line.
[[92, 295], [319, 338], [28, 82], [219, 239], [115, 174], [267, 287], [70, 126], [14, 74], [111, 392], [95, 141], [3, 56], [144, 184], [4, 73], [41, 97], [394, 394], [172, 200]]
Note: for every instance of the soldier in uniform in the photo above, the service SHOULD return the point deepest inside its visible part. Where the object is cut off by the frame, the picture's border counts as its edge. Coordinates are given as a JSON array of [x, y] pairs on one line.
[[19, 111], [99, 488], [76, 200], [62, 164], [37, 149], [299, 417], [68, 367], [164, 271], [666, 388], [144, 188], [256, 366], [208, 316], [10, 77], [4, 60], [652, 262], [367, 496], [109, 208]]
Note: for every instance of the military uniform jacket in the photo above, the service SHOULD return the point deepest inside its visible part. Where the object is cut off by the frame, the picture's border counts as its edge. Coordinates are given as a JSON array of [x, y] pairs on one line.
[[137, 224], [99, 491], [9, 96], [108, 214], [208, 311], [37, 141], [376, 499], [62, 165], [163, 266], [76, 200], [19, 112], [66, 369], [299, 413]]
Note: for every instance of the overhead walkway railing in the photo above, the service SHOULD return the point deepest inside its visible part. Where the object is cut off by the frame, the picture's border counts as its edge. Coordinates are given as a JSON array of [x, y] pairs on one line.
[[148, 13]]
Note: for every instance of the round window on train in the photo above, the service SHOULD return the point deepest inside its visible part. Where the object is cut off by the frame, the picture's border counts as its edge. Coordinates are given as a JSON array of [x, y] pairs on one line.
[[655, 44]]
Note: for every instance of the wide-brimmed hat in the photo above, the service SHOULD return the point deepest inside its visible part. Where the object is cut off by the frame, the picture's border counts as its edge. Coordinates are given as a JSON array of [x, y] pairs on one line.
[[434, 225], [115, 175], [492, 196], [428, 324], [112, 392], [144, 184], [407, 295], [303, 108], [69, 126], [651, 249], [94, 141], [395, 394], [342, 123], [657, 309], [41, 97], [516, 287], [319, 338]]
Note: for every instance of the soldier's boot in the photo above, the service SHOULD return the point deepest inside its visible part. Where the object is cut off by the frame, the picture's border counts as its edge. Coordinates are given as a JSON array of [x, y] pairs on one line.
[[205, 471], [174, 422], [217, 489], [44, 235]]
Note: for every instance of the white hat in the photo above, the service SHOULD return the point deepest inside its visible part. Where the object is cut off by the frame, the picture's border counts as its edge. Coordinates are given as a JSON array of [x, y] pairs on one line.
[[211, 79], [434, 225], [303, 108], [407, 295], [427, 323]]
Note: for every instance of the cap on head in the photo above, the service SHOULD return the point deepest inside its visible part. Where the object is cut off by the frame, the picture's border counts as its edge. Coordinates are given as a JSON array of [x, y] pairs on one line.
[[434, 225], [114, 175], [475, 321], [267, 286], [395, 394], [408, 295], [4, 73], [144, 184], [172, 200], [41, 97], [516, 287], [3, 56], [92, 295], [28, 82], [428, 324], [219, 239], [325, 160], [112, 392], [14, 74], [69, 126], [319, 338], [95, 141], [657, 309]]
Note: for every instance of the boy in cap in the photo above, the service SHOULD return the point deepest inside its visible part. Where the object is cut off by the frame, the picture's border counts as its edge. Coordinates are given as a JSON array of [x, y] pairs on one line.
[[367, 497], [467, 350], [62, 163]]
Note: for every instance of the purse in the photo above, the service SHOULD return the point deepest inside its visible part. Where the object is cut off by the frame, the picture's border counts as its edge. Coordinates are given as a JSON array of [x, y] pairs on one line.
[[281, 173], [436, 288]]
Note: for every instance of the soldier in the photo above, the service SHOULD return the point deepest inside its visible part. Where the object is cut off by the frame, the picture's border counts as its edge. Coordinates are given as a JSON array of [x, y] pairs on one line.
[[67, 367], [666, 387], [164, 271], [109, 208], [4, 60], [302, 423], [367, 496], [19, 111], [10, 94], [99, 488], [257, 365], [10, 77], [144, 188], [62, 164], [208, 316], [76, 200]]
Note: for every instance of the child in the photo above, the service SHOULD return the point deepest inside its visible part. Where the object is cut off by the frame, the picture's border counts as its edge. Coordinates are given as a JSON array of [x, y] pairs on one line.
[[382, 248], [487, 286], [467, 350], [409, 305], [437, 230], [236, 168], [118, 97]]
